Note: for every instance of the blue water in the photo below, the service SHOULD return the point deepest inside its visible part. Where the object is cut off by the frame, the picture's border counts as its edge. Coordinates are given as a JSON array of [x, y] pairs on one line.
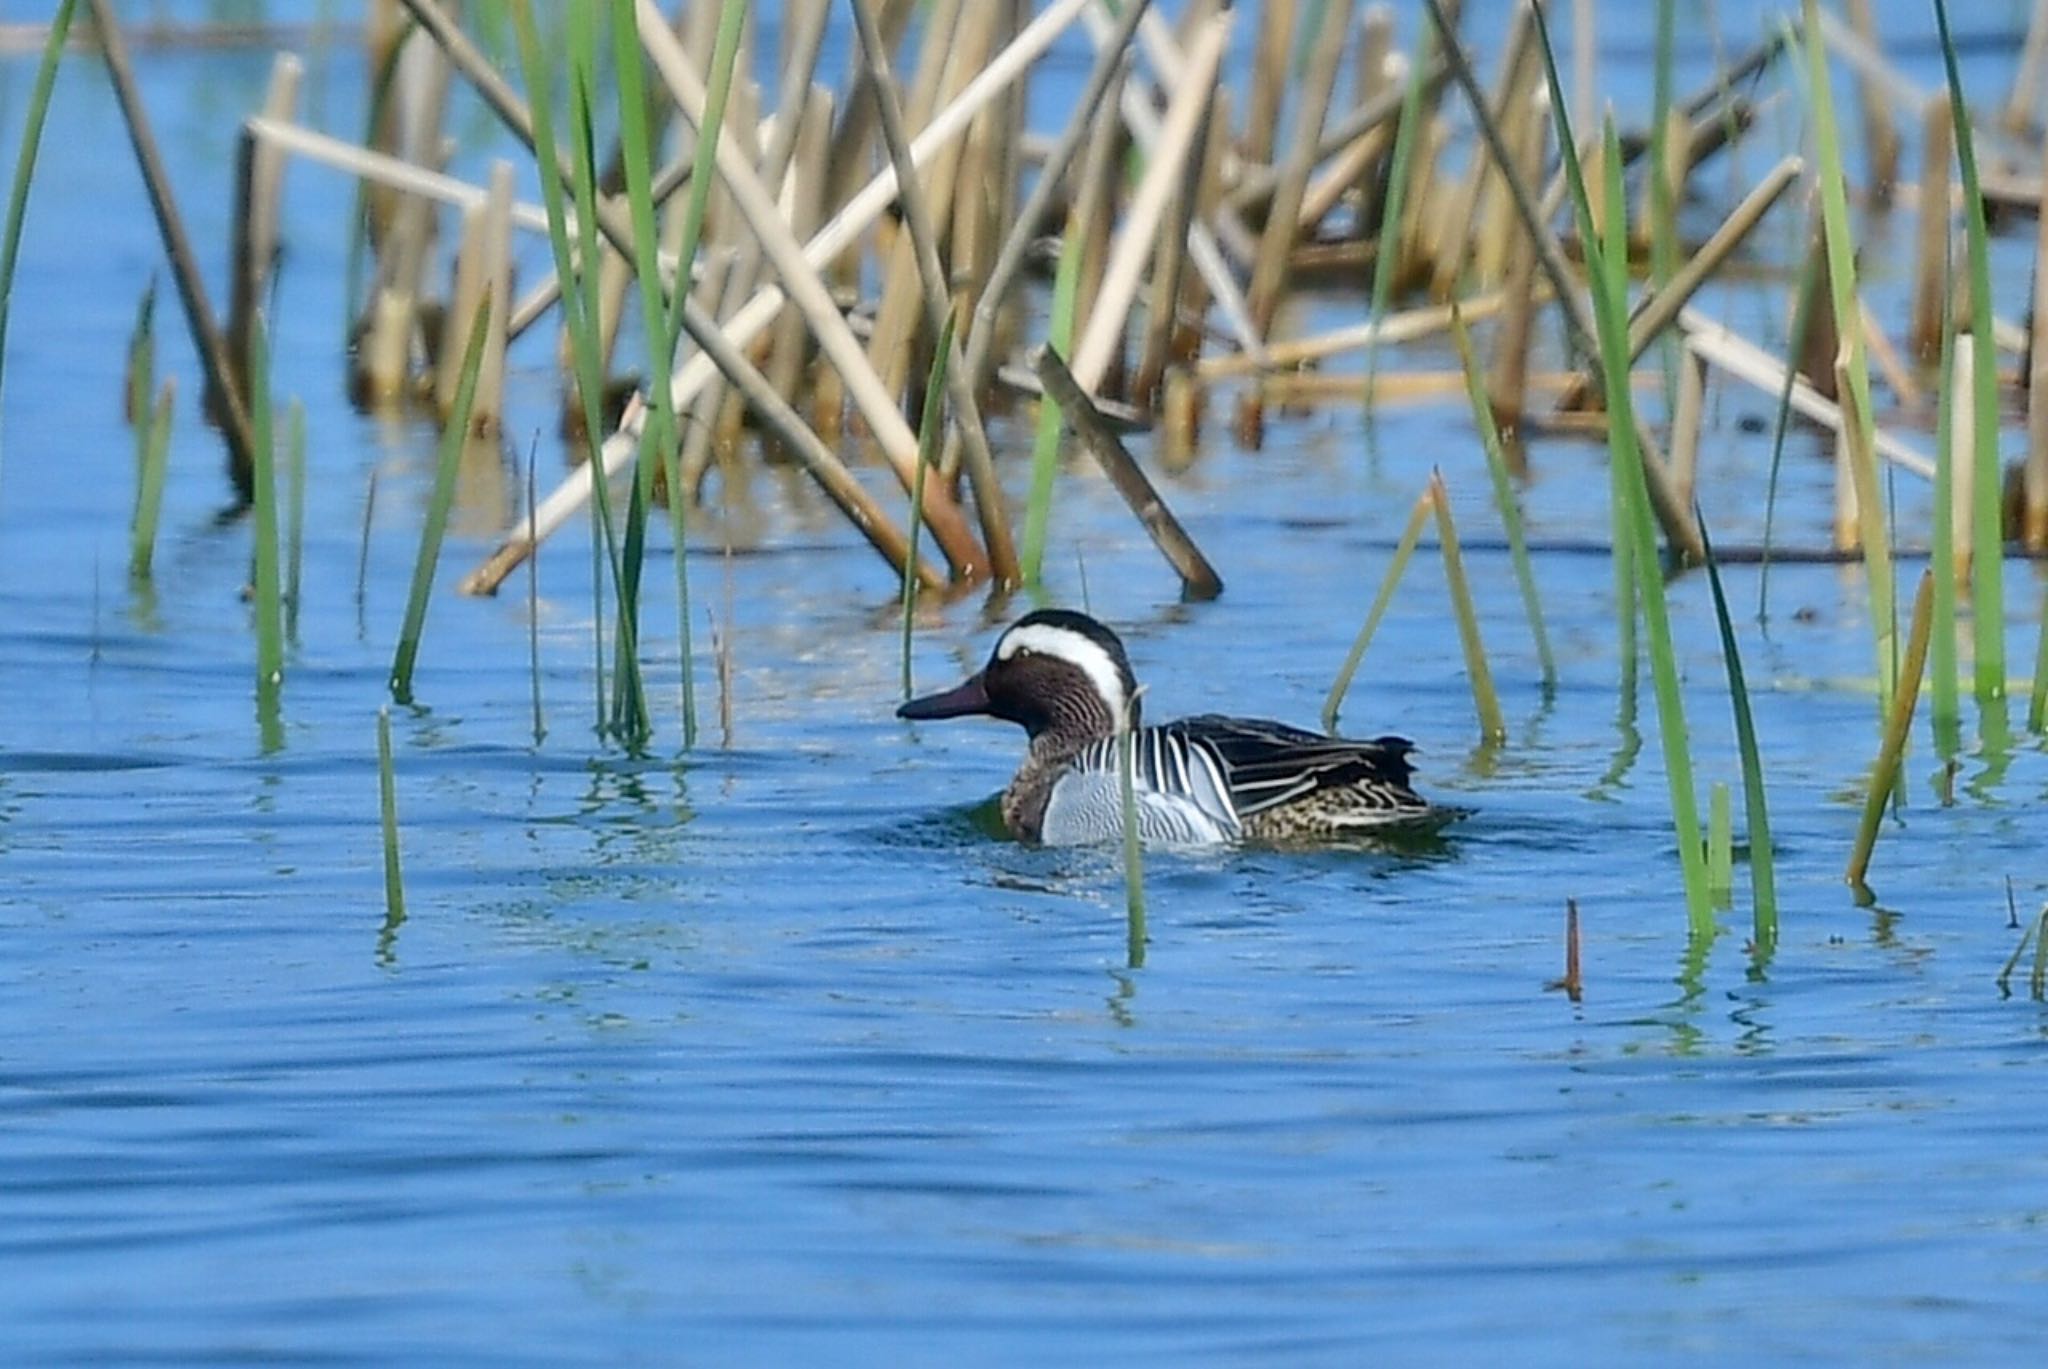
[[767, 1050]]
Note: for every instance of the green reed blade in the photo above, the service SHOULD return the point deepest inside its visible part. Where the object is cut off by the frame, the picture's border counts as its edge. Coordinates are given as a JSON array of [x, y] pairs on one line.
[[1720, 844], [2037, 982], [454, 436], [540, 726], [1134, 858], [1610, 299], [930, 429], [149, 485], [1492, 726], [387, 807], [1504, 495], [294, 514], [1944, 685], [25, 166], [1841, 257], [1403, 549], [661, 317], [1885, 773], [2037, 703], [263, 509], [1619, 532], [579, 307], [1987, 565], [1802, 319], [1045, 438], [629, 724], [1763, 882]]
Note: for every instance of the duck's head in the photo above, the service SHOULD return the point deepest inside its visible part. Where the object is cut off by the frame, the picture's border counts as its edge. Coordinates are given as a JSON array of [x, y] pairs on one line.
[[1051, 671]]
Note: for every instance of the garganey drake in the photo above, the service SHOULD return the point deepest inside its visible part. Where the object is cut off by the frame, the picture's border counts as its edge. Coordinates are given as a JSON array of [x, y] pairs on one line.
[[1064, 678]]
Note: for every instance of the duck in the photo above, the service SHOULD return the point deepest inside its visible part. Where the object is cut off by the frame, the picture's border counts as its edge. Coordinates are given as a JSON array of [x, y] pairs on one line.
[[1206, 780]]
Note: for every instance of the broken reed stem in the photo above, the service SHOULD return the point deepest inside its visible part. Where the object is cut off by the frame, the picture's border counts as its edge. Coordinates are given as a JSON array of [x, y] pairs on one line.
[[1198, 577], [932, 424], [1898, 723], [1492, 726], [1396, 564]]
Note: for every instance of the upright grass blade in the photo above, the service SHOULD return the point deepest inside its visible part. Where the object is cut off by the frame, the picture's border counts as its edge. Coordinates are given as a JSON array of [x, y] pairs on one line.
[[663, 317], [25, 167], [453, 438], [149, 491], [1720, 845], [930, 429], [387, 807], [294, 515], [1802, 319], [1492, 726], [1885, 774], [1504, 496], [1134, 859], [1610, 309], [1841, 257], [1944, 680], [1763, 882], [630, 723], [1987, 565], [2037, 703], [263, 508], [1045, 438], [1404, 549], [579, 306]]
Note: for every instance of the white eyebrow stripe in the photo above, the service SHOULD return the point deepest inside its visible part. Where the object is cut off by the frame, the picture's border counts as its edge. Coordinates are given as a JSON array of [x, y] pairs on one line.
[[1077, 650]]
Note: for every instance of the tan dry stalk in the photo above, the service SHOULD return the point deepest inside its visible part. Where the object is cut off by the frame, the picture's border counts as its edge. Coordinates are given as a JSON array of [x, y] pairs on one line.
[[1269, 271], [1931, 233], [1141, 223], [721, 349]]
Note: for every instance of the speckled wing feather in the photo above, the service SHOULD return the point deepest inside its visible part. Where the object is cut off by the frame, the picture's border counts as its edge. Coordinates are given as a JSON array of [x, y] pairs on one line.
[[1267, 764]]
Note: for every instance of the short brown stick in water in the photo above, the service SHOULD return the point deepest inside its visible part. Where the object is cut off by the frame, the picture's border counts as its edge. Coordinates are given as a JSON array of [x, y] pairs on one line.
[[1198, 578]]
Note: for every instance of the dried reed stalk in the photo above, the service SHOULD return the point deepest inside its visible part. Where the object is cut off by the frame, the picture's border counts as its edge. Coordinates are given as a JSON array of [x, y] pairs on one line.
[[807, 289], [923, 236], [259, 185], [1661, 308], [721, 349], [1198, 577], [224, 400], [2034, 480], [1269, 271], [1931, 237]]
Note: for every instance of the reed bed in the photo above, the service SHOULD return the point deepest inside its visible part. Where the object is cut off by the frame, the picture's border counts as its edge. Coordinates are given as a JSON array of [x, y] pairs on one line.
[[837, 275]]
